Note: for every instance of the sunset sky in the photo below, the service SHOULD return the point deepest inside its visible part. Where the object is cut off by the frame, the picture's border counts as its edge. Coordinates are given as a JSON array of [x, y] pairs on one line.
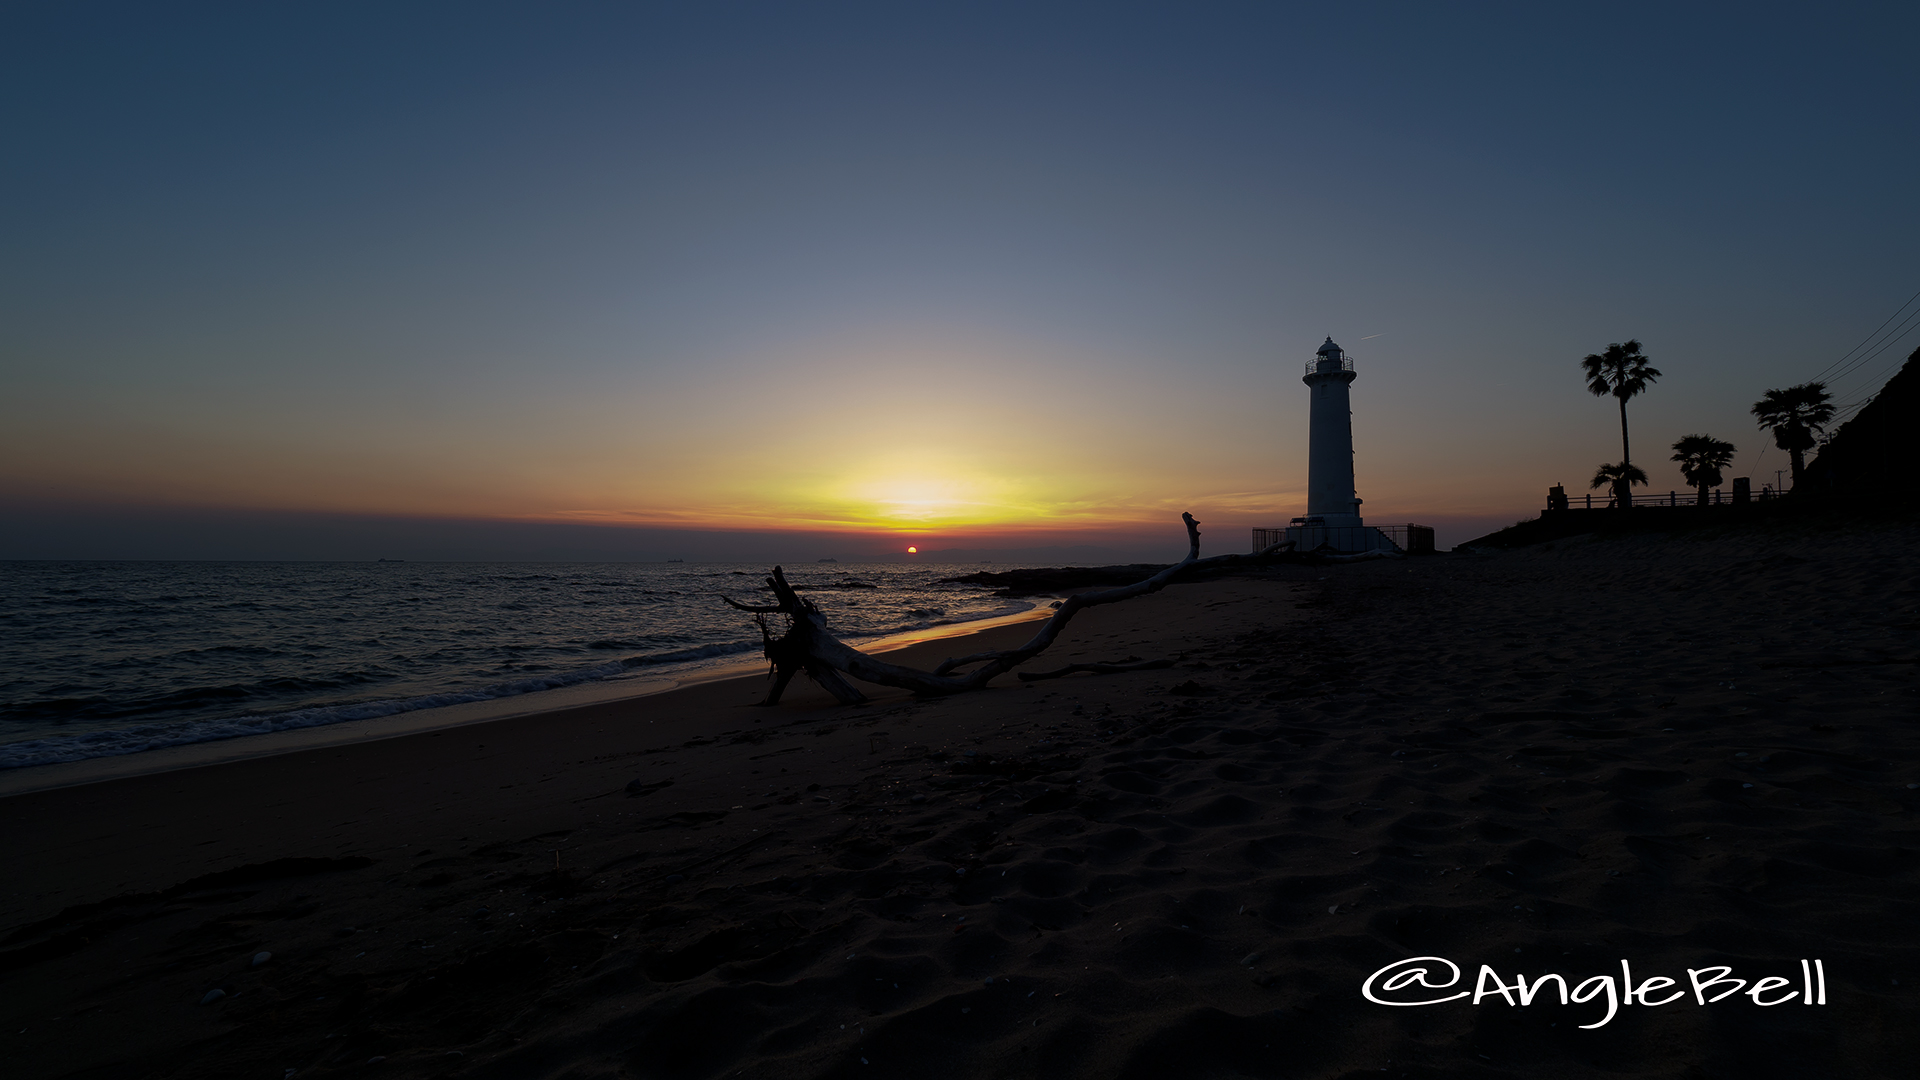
[[961, 276]]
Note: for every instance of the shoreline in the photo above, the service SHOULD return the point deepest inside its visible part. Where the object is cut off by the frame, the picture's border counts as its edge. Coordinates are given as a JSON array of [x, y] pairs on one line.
[[1562, 758], [530, 774], [35, 778]]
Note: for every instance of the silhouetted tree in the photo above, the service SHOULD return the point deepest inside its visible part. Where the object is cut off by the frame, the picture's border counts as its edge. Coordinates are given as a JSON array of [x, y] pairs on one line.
[[1797, 415], [1621, 478], [1701, 458], [1621, 371]]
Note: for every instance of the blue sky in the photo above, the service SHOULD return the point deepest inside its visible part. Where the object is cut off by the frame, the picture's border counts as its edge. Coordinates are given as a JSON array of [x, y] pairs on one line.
[[972, 275]]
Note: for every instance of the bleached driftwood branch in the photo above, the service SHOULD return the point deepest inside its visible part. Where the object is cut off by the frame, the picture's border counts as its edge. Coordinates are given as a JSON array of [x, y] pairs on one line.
[[807, 645]]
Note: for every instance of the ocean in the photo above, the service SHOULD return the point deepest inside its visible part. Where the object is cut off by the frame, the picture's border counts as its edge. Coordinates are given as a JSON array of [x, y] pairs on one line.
[[107, 658]]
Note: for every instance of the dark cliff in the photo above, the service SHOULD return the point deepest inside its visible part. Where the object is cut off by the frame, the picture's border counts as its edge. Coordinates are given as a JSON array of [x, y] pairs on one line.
[[1875, 451]]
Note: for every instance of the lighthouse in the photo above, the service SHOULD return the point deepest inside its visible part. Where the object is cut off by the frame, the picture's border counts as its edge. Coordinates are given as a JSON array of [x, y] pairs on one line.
[[1333, 509], [1330, 494]]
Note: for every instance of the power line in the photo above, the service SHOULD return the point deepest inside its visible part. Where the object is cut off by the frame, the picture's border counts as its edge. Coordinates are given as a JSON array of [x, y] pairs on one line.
[[1893, 338], [1870, 389], [1876, 333], [1906, 327], [1758, 458], [1875, 344], [1865, 396]]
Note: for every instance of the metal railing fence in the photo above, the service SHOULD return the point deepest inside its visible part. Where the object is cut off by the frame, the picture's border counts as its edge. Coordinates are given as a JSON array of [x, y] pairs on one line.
[[1604, 500]]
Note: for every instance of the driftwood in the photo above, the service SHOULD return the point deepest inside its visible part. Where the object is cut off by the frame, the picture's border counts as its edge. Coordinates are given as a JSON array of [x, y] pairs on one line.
[[807, 645]]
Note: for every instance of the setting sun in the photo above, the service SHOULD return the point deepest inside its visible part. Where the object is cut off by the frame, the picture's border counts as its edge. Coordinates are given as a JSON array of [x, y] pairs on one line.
[[913, 551]]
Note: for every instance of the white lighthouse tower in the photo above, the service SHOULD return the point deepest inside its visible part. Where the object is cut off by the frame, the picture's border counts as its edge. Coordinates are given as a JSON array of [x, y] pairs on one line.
[[1333, 509]]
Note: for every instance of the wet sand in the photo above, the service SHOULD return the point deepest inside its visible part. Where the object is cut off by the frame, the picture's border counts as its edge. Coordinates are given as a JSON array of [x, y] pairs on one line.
[[1681, 752]]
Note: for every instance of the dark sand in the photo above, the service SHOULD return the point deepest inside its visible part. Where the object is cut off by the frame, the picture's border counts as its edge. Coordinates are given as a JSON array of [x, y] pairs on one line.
[[1537, 760]]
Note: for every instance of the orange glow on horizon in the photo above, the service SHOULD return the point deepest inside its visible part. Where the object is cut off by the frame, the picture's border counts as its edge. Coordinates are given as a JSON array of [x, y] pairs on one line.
[[1028, 472]]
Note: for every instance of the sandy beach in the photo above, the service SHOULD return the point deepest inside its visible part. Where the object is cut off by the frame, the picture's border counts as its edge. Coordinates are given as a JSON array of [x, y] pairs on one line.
[[1679, 752]]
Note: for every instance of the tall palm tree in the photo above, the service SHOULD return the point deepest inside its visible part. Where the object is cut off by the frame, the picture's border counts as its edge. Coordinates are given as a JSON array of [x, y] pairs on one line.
[[1796, 415], [1621, 478], [1621, 371], [1701, 458]]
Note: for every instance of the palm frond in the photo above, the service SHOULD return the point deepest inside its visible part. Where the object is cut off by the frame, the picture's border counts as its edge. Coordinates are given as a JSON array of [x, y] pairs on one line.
[[1806, 406], [1622, 371], [1608, 475]]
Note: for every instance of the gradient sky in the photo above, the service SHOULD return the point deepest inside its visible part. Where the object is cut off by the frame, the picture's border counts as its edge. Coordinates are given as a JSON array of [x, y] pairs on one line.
[[968, 275]]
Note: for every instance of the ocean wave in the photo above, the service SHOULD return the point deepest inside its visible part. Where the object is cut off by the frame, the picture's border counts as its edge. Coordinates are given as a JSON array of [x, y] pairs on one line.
[[335, 651], [702, 652], [113, 743], [926, 621], [641, 641], [72, 706], [62, 748]]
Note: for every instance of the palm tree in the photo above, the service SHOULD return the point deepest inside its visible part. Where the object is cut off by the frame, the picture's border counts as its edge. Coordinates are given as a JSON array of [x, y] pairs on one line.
[[1623, 372], [1621, 477], [1701, 458], [1796, 415]]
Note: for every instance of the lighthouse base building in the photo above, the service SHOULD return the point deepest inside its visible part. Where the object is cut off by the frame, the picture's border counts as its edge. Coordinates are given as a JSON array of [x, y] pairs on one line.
[[1332, 521]]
